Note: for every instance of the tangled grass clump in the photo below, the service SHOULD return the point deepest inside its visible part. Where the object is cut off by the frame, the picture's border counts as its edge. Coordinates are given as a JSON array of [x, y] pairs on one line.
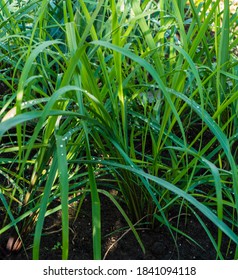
[[142, 93]]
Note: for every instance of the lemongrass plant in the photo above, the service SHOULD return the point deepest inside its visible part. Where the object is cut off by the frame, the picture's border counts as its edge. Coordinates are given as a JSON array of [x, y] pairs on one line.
[[144, 93]]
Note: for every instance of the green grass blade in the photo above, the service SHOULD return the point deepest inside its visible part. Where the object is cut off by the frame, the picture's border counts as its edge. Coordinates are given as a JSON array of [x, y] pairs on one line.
[[43, 208], [123, 213], [64, 190]]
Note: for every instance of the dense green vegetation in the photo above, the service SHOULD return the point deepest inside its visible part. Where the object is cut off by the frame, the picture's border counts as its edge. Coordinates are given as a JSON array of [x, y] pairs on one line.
[[137, 96]]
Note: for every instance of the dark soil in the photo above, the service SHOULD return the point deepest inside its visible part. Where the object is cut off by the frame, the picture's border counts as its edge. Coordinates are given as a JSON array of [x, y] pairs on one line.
[[119, 245]]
